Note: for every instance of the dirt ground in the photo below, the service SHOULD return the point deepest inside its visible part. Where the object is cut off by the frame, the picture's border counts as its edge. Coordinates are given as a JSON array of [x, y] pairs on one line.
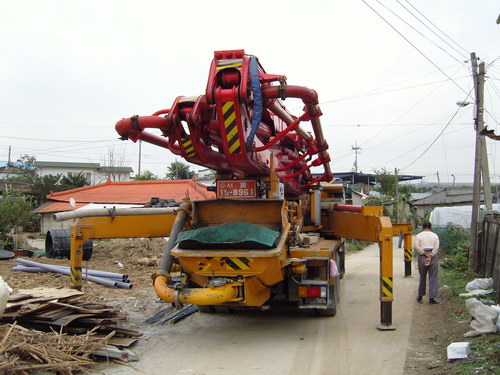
[[431, 328]]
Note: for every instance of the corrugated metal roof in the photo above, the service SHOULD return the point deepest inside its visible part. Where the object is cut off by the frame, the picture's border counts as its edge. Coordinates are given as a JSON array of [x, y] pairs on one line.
[[135, 192]]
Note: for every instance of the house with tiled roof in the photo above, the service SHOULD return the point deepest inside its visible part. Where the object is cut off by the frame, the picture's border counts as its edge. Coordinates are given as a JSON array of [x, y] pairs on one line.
[[118, 194], [94, 173]]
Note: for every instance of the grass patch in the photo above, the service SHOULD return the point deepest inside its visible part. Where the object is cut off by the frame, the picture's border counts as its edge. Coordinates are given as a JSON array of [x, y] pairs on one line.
[[356, 245], [484, 357]]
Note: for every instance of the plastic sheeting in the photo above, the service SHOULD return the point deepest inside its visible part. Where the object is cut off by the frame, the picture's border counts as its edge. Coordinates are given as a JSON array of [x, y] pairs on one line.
[[232, 235], [458, 215]]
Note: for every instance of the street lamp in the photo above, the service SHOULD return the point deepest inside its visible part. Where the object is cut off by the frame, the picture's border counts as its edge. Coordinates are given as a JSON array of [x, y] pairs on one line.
[[464, 103]]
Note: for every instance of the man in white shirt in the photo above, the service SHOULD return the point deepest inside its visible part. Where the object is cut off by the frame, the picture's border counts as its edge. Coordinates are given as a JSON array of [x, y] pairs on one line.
[[427, 245]]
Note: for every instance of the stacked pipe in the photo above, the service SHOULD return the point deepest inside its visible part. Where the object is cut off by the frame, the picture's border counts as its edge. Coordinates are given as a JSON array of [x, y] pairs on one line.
[[111, 279]]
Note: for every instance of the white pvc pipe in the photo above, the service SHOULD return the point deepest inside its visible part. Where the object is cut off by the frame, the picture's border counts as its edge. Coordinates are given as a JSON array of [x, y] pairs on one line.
[[112, 212]]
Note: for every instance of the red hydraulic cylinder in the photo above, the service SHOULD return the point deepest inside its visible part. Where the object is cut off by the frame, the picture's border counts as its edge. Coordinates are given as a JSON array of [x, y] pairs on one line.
[[348, 208]]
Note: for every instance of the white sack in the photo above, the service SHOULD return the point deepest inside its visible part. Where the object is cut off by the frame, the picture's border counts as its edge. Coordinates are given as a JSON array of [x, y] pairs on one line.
[[477, 292], [479, 284], [484, 318], [5, 291]]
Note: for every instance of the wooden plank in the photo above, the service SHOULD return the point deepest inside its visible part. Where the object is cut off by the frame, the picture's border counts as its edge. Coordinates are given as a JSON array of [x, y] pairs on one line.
[[82, 309], [51, 292]]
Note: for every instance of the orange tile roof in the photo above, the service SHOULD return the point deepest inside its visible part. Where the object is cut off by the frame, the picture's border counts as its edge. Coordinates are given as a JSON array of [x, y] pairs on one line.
[[135, 192], [57, 207]]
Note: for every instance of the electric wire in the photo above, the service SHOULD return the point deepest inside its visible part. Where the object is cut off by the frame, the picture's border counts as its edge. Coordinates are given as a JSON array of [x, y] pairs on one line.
[[406, 112], [441, 31], [417, 31], [432, 31], [439, 135], [370, 93], [413, 45]]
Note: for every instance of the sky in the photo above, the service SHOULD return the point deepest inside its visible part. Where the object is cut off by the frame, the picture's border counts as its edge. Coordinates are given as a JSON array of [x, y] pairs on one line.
[[388, 80]]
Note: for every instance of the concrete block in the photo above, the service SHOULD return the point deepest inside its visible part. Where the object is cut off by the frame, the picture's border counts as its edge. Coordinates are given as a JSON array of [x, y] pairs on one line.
[[458, 350]]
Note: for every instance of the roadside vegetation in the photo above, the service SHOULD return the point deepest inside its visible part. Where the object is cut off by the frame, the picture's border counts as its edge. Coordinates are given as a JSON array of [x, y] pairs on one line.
[[485, 350]]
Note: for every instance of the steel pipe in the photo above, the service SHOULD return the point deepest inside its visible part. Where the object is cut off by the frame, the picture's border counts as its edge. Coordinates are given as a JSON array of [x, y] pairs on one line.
[[180, 219], [102, 212]]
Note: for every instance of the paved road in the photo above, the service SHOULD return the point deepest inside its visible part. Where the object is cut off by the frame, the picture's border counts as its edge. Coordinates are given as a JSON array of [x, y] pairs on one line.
[[285, 343]]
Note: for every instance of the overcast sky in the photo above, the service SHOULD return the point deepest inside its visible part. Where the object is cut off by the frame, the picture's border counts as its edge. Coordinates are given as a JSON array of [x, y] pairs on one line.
[[70, 69]]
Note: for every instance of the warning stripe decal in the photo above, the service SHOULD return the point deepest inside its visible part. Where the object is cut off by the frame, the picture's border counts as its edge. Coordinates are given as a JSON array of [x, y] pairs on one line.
[[76, 275], [387, 286], [231, 63], [188, 147], [233, 141], [229, 263], [408, 255]]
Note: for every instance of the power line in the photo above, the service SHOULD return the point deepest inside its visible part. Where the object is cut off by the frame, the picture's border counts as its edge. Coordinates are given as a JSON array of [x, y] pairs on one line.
[[439, 135], [424, 36], [370, 93], [466, 56], [441, 31], [406, 112], [53, 140], [415, 47]]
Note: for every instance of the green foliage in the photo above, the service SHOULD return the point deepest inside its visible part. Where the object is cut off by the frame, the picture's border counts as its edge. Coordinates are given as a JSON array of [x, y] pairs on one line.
[[452, 238], [146, 176], [178, 171], [387, 181], [15, 212], [73, 181], [27, 169], [484, 349], [356, 245], [42, 186]]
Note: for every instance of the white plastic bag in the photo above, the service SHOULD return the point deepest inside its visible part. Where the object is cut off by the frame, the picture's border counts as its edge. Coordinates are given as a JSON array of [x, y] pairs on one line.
[[5, 291], [479, 284]]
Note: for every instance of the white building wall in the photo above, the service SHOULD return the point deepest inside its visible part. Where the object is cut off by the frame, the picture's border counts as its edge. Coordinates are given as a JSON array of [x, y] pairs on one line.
[[88, 172]]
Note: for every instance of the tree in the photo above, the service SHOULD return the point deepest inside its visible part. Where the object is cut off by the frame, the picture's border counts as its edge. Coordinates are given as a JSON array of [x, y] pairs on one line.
[[387, 181], [179, 171], [73, 181], [146, 176], [112, 163], [26, 167], [15, 212], [45, 185]]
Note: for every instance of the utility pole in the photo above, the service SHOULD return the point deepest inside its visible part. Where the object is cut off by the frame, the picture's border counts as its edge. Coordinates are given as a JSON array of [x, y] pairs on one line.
[[139, 163], [437, 175], [8, 164], [356, 151], [397, 195], [480, 162]]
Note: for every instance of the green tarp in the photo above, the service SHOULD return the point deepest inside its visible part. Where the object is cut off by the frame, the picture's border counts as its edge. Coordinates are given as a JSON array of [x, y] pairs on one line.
[[232, 235]]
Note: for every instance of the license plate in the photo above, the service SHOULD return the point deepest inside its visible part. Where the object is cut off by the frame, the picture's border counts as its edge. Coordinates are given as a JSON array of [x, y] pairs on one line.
[[236, 189]]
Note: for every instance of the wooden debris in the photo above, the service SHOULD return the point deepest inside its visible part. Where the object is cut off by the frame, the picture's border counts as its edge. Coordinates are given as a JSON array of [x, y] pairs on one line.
[[24, 351], [64, 312]]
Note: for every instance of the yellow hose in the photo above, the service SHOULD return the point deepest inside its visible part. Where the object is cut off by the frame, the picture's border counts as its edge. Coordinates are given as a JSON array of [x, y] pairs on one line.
[[195, 296]]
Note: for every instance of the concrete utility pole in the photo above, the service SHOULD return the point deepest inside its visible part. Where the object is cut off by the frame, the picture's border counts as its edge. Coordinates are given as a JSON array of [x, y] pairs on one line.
[[139, 163], [480, 162], [8, 164], [356, 151], [396, 181]]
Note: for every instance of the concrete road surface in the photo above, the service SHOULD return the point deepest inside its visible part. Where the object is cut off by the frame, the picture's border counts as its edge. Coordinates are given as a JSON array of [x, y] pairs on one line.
[[285, 342]]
